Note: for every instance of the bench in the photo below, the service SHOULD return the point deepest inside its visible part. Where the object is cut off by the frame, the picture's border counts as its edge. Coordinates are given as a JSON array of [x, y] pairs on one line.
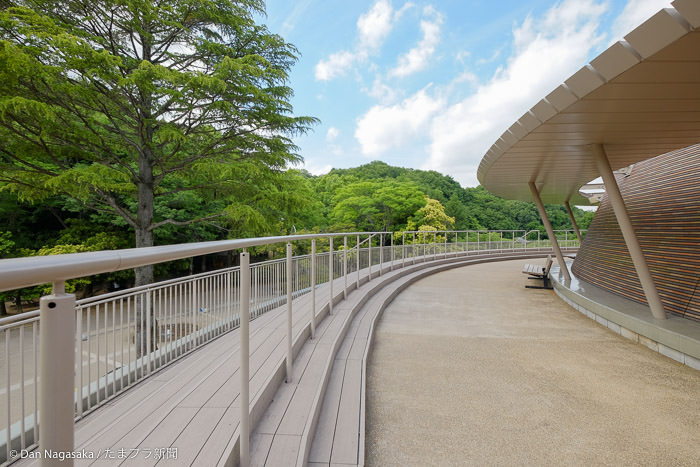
[[539, 272]]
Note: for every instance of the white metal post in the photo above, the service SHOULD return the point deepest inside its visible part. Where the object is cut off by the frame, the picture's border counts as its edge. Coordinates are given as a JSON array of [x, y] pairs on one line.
[[56, 393], [369, 250], [403, 249], [289, 313], [330, 274], [550, 231], [358, 262], [345, 266], [244, 317], [391, 250], [313, 288], [381, 254], [445, 244], [628, 233], [413, 248]]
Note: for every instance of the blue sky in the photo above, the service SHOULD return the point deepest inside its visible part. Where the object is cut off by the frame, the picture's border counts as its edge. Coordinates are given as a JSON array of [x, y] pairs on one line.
[[432, 84]]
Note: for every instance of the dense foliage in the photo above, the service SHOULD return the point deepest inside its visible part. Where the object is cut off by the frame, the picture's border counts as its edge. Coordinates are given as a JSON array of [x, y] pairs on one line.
[[374, 196]]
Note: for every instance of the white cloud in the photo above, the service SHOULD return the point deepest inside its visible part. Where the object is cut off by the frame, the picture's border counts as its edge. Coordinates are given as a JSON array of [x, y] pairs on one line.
[[382, 92], [332, 134], [417, 58], [375, 25], [372, 29], [317, 169], [634, 14], [546, 51], [336, 65], [385, 127]]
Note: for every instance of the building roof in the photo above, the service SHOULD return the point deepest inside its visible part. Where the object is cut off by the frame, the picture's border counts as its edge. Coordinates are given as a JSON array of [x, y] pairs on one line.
[[640, 98]]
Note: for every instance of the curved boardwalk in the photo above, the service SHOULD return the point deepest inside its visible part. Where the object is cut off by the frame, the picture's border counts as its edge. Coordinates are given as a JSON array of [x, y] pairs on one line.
[[470, 368]]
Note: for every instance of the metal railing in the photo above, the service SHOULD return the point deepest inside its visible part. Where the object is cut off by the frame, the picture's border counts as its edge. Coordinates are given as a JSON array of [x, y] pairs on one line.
[[120, 338]]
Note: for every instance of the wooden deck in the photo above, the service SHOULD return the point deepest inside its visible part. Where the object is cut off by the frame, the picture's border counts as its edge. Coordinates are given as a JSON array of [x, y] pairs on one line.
[[191, 407]]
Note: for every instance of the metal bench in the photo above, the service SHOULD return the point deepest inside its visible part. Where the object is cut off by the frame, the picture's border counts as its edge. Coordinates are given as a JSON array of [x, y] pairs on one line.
[[539, 272]]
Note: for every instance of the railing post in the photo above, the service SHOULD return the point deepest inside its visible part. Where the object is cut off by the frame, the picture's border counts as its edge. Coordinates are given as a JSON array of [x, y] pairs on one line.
[[358, 262], [56, 383], [403, 249], [289, 312], [313, 288], [244, 317], [149, 344], [381, 254], [413, 248], [369, 249], [391, 250], [330, 274], [345, 266], [445, 244]]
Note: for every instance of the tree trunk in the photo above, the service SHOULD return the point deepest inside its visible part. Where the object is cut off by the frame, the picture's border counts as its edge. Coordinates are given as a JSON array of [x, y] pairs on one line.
[[3, 308], [18, 301]]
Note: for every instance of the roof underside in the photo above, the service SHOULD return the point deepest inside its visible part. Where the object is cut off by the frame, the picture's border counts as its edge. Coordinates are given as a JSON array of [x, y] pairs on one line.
[[640, 98]]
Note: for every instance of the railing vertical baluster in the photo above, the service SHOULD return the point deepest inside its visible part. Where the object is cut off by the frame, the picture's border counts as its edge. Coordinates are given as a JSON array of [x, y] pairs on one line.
[[403, 249], [369, 249], [97, 357], [345, 266], [8, 389], [313, 288], [56, 394], [148, 331], [289, 313], [21, 384], [413, 248], [121, 338], [36, 381], [330, 274], [358, 262], [381, 254], [114, 348], [245, 359], [78, 359], [391, 250]]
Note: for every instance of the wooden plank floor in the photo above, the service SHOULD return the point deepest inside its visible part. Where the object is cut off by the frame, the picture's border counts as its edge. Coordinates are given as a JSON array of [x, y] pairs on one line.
[[277, 440], [192, 404]]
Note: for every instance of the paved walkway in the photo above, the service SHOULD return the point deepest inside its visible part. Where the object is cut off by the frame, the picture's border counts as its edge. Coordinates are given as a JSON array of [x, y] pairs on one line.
[[471, 368]]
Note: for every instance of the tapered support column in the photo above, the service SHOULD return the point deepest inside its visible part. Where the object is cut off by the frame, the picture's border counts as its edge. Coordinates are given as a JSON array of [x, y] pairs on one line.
[[550, 231], [623, 219], [573, 222], [56, 388], [245, 359]]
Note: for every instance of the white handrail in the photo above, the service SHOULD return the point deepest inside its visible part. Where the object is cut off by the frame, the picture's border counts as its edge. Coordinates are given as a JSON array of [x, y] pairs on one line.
[[16, 273]]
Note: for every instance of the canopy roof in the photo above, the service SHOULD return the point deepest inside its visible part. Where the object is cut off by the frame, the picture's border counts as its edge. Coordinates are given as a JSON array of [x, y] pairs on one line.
[[640, 98]]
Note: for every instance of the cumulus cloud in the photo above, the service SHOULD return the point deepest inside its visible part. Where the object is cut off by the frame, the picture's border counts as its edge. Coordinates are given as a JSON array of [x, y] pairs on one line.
[[336, 65], [372, 29], [375, 25], [634, 14], [418, 57], [332, 134], [384, 127], [546, 51]]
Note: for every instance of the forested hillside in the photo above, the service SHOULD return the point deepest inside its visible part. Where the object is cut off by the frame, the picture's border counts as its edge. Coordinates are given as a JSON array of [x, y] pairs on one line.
[[374, 197]]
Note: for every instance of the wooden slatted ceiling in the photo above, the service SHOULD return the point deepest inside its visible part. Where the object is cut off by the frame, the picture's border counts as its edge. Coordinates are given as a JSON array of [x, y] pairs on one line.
[[639, 98], [663, 199]]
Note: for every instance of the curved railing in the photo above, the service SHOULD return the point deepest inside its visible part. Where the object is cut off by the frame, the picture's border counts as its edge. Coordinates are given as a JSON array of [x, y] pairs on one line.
[[120, 338]]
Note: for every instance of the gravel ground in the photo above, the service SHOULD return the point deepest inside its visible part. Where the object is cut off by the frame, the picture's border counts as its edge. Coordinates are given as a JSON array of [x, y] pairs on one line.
[[471, 368]]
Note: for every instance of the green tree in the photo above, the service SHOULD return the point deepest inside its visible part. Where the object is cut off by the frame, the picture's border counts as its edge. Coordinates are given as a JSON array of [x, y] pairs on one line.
[[120, 103], [375, 205], [432, 217]]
